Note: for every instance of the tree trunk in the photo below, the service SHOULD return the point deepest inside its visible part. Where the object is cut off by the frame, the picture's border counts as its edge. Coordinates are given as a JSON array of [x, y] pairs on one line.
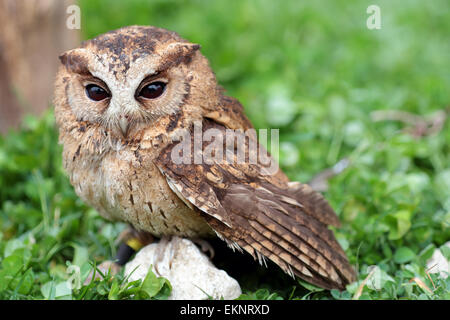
[[33, 34]]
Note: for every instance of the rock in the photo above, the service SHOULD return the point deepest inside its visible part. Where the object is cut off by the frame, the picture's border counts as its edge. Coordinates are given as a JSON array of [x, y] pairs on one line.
[[189, 271], [439, 264]]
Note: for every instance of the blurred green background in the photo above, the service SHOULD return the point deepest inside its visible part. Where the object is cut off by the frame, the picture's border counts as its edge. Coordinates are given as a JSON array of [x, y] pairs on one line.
[[315, 71], [294, 64]]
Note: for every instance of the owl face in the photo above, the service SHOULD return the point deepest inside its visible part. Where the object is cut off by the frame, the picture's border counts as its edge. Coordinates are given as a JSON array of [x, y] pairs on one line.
[[129, 78]]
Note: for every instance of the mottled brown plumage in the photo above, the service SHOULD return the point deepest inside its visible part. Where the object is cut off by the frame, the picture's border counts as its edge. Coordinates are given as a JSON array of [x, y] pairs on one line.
[[118, 153]]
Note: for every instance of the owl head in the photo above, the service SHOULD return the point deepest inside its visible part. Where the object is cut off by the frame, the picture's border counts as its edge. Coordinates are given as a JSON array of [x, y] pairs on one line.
[[128, 78]]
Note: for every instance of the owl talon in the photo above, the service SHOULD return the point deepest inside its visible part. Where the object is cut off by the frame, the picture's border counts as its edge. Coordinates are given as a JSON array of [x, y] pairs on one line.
[[131, 241], [139, 237], [205, 246]]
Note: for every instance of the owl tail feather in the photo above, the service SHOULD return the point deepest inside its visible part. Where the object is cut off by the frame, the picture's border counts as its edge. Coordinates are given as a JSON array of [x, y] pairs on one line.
[[285, 227]]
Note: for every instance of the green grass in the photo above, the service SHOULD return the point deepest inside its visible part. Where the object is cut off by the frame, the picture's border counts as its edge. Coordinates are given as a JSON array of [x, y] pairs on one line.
[[310, 68]]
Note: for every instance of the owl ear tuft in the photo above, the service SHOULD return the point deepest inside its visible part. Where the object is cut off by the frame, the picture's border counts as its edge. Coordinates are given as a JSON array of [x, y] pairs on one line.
[[75, 61], [178, 51]]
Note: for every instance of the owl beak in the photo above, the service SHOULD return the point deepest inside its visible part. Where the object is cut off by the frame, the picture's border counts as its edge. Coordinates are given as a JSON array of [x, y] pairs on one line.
[[124, 124]]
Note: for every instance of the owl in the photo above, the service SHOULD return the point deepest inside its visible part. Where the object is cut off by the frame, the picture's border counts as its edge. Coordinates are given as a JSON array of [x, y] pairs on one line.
[[124, 102]]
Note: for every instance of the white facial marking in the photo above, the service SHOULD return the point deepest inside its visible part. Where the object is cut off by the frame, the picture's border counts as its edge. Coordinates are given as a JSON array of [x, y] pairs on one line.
[[122, 87]]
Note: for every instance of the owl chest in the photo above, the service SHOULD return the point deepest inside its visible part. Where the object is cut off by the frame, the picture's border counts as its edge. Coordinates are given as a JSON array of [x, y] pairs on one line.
[[122, 188]]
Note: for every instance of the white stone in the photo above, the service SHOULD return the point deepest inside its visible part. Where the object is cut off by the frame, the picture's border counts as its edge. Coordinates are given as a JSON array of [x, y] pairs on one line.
[[189, 271], [439, 264]]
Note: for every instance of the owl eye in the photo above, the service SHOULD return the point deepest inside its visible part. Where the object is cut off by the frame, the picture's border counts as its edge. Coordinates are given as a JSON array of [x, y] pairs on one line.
[[96, 93], [153, 90]]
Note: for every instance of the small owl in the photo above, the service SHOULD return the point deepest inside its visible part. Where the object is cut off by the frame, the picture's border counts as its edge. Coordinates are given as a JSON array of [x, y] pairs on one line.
[[122, 102]]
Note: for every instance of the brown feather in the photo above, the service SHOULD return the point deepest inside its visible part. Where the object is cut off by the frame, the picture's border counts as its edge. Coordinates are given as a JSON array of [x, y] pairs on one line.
[[265, 215]]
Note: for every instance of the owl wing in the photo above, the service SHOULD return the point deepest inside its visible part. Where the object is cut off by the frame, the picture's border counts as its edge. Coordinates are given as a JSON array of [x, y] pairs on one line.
[[263, 214]]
